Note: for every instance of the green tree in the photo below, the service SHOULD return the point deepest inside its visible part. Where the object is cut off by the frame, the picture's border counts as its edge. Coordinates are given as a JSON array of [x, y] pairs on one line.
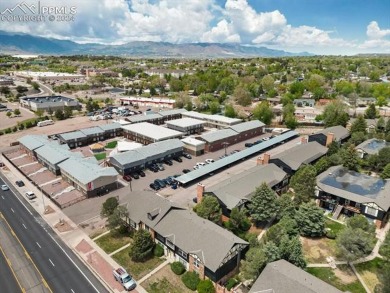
[[5, 90], [17, 112], [9, 114], [68, 112], [310, 220], [238, 221], [109, 206], [253, 264], [360, 222], [21, 89], [383, 157], [209, 209], [357, 138], [286, 206], [291, 251], [214, 107], [35, 85], [271, 252], [189, 106], [205, 286], [118, 217], [291, 122], [353, 244], [142, 246], [350, 158], [304, 182], [359, 125], [297, 89], [263, 204], [230, 111], [335, 113], [242, 96], [386, 172], [267, 83], [333, 148], [370, 112], [263, 112], [380, 125], [322, 165], [59, 114]]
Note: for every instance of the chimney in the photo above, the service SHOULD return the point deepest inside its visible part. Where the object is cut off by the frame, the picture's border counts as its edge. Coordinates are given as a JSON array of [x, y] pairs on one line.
[[199, 192], [329, 138], [303, 139], [266, 158]]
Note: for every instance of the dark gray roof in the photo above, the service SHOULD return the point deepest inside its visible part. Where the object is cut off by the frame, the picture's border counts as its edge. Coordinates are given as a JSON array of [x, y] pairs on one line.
[[373, 146], [33, 142], [172, 112], [301, 154], [283, 277], [354, 186], [210, 242], [46, 99], [339, 132], [245, 126], [72, 135], [92, 130], [86, 170], [243, 185], [209, 168], [217, 135]]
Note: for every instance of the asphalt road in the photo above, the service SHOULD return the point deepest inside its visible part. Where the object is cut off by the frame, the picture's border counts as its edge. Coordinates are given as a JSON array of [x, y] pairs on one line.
[[60, 268], [7, 279]]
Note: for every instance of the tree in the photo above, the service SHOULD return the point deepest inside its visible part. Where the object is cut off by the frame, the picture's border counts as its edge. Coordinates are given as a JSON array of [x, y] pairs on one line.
[[350, 158], [333, 148], [59, 114], [230, 111], [5, 90], [386, 172], [297, 89], [357, 138], [21, 89], [9, 114], [353, 244], [383, 157], [189, 106], [370, 112], [286, 206], [267, 83], [263, 204], [209, 209], [359, 125], [360, 222], [109, 206], [214, 107], [50, 112], [242, 96], [35, 85], [310, 220], [263, 112], [238, 221], [254, 262], [335, 113], [17, 112], [142, 246], [291, 122], [205, 286], [291, 251], [271, 252], [118, 217], [380, 125], [304, 182], [67, 112], [322, 165]]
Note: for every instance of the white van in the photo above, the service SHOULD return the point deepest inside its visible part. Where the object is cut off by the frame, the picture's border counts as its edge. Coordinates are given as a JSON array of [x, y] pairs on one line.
[[30, 195]]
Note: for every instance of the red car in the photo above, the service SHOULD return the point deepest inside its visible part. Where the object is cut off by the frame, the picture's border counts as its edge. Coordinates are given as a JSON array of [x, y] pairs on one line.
[[127, 177]]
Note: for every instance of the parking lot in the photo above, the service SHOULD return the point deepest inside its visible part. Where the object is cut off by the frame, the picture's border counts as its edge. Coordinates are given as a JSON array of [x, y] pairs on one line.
[[90, 208]]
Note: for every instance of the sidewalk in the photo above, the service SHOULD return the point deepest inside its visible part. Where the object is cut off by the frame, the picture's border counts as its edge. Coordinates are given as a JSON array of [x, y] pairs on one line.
[[98, 261]]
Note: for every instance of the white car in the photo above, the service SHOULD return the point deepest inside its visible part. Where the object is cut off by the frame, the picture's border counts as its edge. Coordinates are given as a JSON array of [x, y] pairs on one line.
[[30, 195], [209, 161], [200, 164], [4, 187]]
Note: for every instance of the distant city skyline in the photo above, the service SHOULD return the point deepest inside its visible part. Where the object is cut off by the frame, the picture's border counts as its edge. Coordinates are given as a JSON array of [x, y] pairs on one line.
[[342, 27]]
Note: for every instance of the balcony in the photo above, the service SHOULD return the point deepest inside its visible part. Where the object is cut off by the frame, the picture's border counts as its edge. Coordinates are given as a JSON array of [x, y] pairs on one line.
[[352, 209]]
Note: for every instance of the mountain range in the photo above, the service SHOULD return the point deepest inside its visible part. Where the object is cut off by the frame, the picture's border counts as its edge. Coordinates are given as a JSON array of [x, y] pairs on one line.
[[17, 43]]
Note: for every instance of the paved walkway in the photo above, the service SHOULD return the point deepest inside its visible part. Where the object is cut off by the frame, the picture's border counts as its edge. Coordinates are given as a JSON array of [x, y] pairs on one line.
[[99, 262], [154, 271]]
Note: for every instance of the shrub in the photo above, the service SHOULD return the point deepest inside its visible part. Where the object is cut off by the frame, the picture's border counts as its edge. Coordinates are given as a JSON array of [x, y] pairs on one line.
[[191, 280], [205, 286], [178, 268], [158, 250], [21, 126], [1, 133], [8, 130], [231, 283], [123, 229], [15, 129], [330, 234], [29, 124]]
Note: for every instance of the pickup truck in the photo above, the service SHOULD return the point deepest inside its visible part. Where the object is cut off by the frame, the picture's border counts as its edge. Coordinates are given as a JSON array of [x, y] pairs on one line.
[[124, 278]]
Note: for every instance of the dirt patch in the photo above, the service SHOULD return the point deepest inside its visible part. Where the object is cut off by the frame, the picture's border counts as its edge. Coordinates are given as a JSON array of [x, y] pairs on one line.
[[63, 226], [255, 230], [346, 275], [49, 210], [173, 279], [316, 250]]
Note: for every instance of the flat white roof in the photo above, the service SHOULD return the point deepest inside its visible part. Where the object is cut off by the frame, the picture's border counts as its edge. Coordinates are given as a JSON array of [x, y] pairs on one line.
[[46, 74], [193, 141], [185, 122], [124, 146], [152, 131]]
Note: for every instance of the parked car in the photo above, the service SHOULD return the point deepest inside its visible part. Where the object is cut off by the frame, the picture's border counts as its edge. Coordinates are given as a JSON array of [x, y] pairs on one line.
[[4, 187], [265, 138], [233, 152], [153, 168], [154, 186], [209, 161], [135, 175], [248, 144], [201, 164], [160, 167], [196, 167], [168, 180], [30, 195], [178, 159], [186, 155], [160, 183], [127, 177], [19, 183], [174, 185], [141, 173], [168, 162], [185, 171]]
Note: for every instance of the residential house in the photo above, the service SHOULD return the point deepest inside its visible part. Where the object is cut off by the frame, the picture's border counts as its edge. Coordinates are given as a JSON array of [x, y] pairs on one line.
[[371, 147], [199, 244], [326, 136], [304, 102], [343, 191], [283, 277], [292, 159]]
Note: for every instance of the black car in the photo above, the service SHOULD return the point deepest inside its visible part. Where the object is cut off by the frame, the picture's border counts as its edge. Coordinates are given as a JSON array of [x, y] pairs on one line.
[[154, 186], [135, 175], [153, 168], [248, 144], [188, 156], [19, 183], [160, 183], [178, 159], [141, 173], [185, 171], [168, 162]]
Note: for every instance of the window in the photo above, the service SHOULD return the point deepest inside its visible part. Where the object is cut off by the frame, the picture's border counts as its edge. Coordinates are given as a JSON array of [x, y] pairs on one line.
[[169, 244], [357, 205], [196, 263], [371, 211], [182, 253]]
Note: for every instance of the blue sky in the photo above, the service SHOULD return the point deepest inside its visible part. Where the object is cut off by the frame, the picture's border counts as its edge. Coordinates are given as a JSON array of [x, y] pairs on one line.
[[342, 27]]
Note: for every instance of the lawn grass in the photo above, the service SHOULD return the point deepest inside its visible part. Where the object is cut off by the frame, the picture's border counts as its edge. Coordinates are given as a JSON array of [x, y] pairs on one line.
[[328, 276], [100, 156], [334, 226], [369, 271], [162, 286], [316, 250], [113, 241], [111, 144], [136, 269]]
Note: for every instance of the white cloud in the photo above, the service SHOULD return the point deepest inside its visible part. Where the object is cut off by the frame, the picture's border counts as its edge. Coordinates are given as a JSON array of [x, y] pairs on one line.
[[376, 38], [374, 32]]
